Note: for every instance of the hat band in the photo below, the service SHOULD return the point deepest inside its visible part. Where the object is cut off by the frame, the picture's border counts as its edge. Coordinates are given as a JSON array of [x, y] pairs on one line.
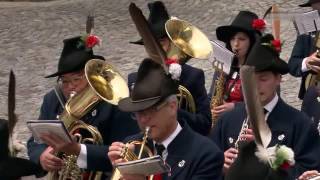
[[138, 101]]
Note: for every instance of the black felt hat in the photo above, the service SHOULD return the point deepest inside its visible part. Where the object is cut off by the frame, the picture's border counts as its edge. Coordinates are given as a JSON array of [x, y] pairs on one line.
[[308, 4], [264, 56], [13, 167], [74, 56], [157, 19], [248, 166], [242, 23], [152, 86]]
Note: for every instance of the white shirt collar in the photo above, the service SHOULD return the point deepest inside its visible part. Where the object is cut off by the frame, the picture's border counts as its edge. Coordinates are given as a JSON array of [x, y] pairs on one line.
[[270, 106], [173, 135]]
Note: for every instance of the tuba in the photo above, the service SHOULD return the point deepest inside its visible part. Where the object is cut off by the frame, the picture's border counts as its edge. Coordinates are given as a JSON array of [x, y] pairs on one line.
[[131, 155], [186, 41], [186, 100], [105, 84]]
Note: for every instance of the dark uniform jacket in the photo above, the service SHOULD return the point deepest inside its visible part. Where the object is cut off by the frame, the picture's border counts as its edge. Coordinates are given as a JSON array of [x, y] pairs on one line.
[[311, 105], [191, 156], [288, 126], [302, 48], [193, 79], [113, 125]]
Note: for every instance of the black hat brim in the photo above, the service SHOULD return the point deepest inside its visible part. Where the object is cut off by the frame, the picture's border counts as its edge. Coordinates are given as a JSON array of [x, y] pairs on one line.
[[279, 66], [305, 5], [138, 42], [59, 73], [224, 33], [128, 105]]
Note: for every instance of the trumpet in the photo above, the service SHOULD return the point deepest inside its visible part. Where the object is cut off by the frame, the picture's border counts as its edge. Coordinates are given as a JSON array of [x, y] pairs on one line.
[[130, 155]]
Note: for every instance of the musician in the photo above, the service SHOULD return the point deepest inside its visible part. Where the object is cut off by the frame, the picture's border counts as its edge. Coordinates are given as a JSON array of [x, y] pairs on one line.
[[191, 78], [110, 121], [12, 167], [288, 126], [303, 58], [239, 38], [154, 104]]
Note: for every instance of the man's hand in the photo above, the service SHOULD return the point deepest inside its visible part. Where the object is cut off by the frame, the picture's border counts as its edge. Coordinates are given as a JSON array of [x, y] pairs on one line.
[[217, 111], [308, 174], [313, 63], [49, 161], [229, 156], [60, 145], [115, 150], [248, 136]]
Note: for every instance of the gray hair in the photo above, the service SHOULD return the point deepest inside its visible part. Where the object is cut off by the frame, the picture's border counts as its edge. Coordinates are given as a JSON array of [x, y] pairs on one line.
[[172, 98]]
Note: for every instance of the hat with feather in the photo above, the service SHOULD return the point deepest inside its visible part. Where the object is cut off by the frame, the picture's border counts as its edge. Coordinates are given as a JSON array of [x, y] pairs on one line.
[[157, 19]]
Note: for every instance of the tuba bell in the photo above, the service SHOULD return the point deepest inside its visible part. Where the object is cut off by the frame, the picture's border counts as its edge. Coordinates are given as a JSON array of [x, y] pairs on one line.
[[186, 41], [105, 84]]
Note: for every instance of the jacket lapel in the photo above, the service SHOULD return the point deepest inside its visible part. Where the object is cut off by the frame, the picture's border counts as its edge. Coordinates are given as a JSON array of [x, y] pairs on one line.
[[177, 149], [277, 125]]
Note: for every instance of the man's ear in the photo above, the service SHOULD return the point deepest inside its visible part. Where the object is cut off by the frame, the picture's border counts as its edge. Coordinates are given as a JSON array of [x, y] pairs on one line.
[[174, 106], [278, 77]]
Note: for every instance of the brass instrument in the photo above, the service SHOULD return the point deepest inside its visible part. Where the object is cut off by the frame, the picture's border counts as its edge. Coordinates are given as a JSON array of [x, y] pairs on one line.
[[314, 79], [130, 155], [106, 84], [186, 100], [186, 41], [218, 91]]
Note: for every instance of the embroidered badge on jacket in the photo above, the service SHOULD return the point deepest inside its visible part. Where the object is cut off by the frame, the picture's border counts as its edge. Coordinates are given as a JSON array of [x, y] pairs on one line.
[[181, 163], [230, 140], [281, 137], [94, 113]]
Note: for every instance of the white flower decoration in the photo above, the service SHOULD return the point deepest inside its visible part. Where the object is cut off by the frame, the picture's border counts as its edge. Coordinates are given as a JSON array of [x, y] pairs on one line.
[[175, 71]]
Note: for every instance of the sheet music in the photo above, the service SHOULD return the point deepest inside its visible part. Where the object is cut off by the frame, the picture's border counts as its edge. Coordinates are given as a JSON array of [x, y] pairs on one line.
[[307, 22], [145, 166], [38, 127], [222, 55]]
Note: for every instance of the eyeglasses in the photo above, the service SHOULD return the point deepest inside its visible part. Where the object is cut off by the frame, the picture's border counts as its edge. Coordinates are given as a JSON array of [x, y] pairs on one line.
[[150, 111], [74, 80]]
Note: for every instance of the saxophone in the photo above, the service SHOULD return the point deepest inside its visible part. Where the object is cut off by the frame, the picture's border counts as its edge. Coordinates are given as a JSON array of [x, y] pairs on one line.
[[218, 91]]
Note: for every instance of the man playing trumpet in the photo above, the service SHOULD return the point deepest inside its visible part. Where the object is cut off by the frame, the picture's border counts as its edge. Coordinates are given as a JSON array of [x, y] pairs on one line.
[[154, 103]]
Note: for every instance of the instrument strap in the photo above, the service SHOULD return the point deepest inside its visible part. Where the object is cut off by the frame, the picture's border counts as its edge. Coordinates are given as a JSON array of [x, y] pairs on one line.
[[60, 96]]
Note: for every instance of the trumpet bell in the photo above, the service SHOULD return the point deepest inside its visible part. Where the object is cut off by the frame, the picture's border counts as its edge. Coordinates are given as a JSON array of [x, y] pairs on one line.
[[106, 81], [188, 38]]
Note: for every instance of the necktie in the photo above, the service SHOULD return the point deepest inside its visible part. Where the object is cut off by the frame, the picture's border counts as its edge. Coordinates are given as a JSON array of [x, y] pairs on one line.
[[159, 148]]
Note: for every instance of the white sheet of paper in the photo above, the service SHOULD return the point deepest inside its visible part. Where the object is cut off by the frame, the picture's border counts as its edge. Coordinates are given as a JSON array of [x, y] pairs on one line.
[[307, 22], [221, 54], [38, 127], [145, 166]]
